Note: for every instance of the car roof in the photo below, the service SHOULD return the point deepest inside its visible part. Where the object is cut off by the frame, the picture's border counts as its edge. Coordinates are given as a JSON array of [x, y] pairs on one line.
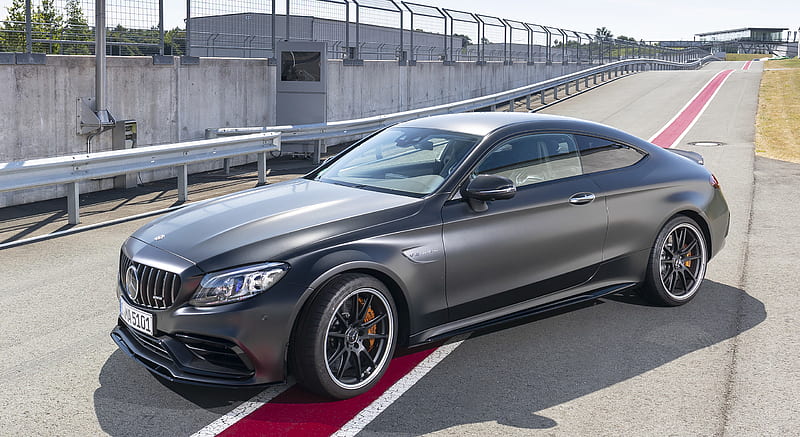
[[483, 123]]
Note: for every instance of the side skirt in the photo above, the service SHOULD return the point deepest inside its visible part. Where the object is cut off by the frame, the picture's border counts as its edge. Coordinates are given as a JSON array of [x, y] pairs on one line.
[[511, 313]]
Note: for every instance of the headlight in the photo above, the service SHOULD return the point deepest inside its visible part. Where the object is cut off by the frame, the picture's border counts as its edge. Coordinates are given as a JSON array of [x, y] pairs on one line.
[[237, 284]]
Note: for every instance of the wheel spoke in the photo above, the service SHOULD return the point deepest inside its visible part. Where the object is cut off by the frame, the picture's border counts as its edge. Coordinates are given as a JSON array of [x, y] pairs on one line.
[[373, 322], [692, 258], [691, 275], [336, 355], [336, 335], [365, 308], [681, 238], [375, 336], [354, 310], [343, 365], [371, 360], [689, 248], [340, 319], [358, 365]]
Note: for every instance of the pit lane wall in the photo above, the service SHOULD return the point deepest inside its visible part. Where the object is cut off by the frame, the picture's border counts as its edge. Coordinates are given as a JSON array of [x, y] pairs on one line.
[[171, 103]]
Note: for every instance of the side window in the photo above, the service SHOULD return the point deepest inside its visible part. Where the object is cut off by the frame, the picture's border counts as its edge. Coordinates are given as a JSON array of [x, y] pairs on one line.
[[598, 154], [533, 158]]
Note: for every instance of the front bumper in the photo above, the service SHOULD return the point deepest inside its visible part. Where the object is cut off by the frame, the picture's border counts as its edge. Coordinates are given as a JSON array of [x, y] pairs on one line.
[[237, 344], [187, 359]]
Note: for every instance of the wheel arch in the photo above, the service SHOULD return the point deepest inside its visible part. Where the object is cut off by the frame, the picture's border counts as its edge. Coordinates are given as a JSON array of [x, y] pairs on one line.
[[369, 268], [701, 221]]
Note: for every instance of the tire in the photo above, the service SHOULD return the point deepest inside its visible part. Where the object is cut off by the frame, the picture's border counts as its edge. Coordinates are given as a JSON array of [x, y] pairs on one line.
[[677, 263], [341, 353]]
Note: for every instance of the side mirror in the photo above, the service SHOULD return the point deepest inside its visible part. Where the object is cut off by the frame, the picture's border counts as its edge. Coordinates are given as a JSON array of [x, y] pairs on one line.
[[485, 188]]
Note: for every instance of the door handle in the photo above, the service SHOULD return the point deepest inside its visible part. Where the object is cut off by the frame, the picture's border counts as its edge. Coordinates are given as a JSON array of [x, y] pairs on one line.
[[581, 198]]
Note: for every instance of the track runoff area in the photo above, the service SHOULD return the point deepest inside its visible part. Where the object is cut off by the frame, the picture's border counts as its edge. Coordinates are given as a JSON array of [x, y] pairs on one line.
[[287, 410]]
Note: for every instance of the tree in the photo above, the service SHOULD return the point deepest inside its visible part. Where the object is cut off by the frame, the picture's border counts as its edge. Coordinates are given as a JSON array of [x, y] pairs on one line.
[[485, 41], [626, 38], [14, 27], [465, 39], [46, 24], [76, 28], [174, 42], [604, 33]]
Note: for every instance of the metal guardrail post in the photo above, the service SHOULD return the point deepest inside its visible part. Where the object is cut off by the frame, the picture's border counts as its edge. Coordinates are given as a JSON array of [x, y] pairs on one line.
[[261, 158], [183, 183], [73, 203]]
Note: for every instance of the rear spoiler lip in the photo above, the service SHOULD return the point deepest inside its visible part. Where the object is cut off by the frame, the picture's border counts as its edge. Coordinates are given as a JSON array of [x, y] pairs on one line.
[[693, 156]]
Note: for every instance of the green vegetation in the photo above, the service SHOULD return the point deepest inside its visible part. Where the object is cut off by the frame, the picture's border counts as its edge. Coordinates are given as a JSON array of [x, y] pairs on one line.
[[744, 57], [777, 135], [73, 29]]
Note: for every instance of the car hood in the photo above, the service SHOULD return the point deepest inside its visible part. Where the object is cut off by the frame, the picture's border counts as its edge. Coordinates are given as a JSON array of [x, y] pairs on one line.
[[271, 223]]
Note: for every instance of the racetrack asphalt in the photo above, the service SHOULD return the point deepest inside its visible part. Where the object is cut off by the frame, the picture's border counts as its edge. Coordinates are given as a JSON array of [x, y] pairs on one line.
[[724, 364]]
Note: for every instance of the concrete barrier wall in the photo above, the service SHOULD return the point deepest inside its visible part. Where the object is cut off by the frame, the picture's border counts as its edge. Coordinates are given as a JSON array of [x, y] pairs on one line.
[[381, 87], [171, 103], [175, 103]]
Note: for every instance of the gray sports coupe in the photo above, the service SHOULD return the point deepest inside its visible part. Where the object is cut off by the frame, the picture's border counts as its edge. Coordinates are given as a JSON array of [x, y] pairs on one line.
[[422, 230]]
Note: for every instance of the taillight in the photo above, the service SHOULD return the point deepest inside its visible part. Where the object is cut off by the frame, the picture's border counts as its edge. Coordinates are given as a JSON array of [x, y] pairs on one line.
[[714, 181]]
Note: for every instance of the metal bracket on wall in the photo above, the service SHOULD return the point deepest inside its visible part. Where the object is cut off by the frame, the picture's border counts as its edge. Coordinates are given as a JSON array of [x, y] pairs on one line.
[[31, 59], [163, 60], [90, 122]]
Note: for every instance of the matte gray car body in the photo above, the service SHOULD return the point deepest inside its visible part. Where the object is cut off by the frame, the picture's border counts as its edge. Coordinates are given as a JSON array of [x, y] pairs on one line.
[[449, 268]]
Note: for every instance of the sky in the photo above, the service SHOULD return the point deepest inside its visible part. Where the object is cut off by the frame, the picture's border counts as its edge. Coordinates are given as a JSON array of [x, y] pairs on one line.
[[651, 20]]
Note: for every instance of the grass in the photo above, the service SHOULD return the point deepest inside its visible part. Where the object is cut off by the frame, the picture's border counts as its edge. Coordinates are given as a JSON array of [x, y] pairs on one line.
[[778, 119], [744, 57]]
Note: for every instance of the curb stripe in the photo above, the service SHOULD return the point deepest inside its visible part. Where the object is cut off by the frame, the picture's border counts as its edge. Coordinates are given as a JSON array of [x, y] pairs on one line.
[[673, 132], [238, 413], [296, 412], [747, 65], [367, 415]]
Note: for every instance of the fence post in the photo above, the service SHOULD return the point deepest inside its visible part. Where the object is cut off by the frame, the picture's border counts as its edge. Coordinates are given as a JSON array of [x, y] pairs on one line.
[[28, 28], [188, 27], [161, 27]]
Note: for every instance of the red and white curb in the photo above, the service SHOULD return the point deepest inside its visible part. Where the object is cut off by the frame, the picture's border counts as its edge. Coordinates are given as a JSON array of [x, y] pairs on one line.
[[673, 132], [288, 410]]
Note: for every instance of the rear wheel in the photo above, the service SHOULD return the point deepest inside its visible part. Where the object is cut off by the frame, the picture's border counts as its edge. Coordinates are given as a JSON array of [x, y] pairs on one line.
[[677, 263], [346, 337]]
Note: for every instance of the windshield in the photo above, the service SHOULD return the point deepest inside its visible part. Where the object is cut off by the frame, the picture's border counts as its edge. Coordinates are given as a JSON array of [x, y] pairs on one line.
[[406, 160]]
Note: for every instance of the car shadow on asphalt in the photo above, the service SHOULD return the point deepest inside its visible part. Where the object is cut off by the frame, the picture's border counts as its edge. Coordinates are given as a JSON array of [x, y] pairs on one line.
[[506, 374], [511, 374]]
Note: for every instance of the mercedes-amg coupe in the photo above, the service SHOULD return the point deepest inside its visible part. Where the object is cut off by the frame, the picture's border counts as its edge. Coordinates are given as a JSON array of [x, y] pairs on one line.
[[425, 229]]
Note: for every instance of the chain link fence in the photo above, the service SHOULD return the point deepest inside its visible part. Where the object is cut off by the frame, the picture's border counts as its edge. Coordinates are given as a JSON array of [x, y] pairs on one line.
[[354, 30]]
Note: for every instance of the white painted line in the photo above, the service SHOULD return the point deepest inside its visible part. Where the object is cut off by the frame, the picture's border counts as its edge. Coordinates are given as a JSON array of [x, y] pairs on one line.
[[678, 114], [367, 415], [241, 411], [700, 114]]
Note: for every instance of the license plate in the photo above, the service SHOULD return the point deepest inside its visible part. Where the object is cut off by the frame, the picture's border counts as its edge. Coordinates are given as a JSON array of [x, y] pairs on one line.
[[136, 319]]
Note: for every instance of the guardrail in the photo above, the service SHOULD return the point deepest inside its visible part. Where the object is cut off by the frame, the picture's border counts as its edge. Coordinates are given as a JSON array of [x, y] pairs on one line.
[[347, 128], [73, 169]]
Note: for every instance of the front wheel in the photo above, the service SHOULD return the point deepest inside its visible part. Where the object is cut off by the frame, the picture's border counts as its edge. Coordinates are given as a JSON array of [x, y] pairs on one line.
[[346, 337], [677, 263]]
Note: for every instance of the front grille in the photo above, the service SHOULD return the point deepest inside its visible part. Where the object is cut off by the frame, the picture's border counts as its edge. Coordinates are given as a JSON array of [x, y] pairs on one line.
[[158, 288]]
